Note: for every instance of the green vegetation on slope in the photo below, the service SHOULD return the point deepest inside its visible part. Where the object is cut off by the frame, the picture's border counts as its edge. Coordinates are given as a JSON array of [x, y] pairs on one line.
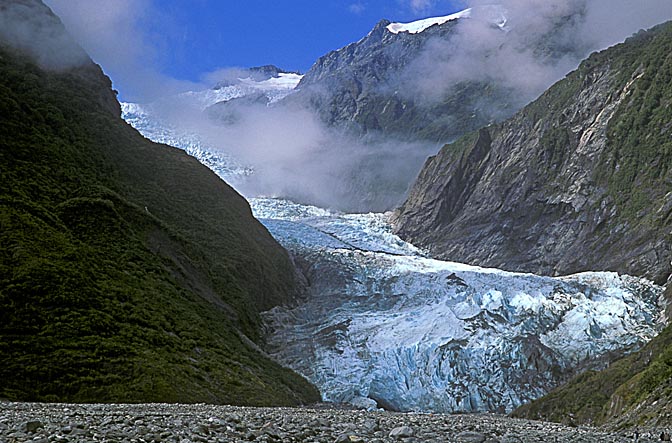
[[128, 271], [635, 169]]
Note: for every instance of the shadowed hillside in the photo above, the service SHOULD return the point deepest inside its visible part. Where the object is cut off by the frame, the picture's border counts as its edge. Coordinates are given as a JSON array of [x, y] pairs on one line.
[[128, 271]]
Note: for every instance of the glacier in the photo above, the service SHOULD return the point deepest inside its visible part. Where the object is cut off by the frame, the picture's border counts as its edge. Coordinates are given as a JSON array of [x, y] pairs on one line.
[[382, 325], [155, 121]]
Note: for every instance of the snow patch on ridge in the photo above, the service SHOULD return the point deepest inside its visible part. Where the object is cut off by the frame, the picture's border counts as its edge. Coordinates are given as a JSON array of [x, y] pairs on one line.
[[275, 88], [494, 14], [420, 25]]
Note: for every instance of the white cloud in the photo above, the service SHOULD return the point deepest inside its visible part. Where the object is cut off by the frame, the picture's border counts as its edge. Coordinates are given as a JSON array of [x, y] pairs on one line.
[[357, 8], [29, 27], [519, 58], [113, 34], [420, 5]]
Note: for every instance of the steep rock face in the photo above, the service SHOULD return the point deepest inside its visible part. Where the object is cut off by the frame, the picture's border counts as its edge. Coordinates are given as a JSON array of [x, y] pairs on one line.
[[128, 271], [578, 180], [358, 87]]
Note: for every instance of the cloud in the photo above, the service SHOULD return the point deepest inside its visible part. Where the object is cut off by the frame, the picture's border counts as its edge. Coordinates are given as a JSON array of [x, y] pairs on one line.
[[32, 28], [357, 8], [610, 21], [112, 32], [295, 155], [524, 46], [429, 7], [420, 5]]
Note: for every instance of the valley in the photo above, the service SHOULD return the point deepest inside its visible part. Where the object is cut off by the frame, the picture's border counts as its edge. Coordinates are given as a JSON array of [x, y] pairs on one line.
[[413, 238], [383, 325]]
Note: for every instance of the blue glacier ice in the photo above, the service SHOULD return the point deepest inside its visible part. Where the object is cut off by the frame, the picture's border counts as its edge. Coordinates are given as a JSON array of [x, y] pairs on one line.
[[384, 324]]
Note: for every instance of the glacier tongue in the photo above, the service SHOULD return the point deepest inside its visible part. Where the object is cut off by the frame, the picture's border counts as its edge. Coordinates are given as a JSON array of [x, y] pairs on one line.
[[156, 121], [382, 322]]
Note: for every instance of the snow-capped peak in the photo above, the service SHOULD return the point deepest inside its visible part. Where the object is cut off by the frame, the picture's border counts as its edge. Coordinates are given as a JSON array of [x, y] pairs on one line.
[[420, 25]]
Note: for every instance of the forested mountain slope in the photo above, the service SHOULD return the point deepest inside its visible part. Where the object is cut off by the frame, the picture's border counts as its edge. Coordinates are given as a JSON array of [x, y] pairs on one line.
[[128, 271]]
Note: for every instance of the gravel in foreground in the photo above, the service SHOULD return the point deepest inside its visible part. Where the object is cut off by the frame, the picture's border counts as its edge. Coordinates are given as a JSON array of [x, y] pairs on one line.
[[44, 423]]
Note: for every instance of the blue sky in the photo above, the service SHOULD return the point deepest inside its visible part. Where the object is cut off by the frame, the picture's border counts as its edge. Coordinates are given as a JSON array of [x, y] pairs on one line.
[[289, 34], [145, 43], [151, 48]]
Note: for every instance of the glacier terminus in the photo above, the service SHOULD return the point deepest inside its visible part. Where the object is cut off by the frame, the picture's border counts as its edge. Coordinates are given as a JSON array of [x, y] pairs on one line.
[[381, 325]]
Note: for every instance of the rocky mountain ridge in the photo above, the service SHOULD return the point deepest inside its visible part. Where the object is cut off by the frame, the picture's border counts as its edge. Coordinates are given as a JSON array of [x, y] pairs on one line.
[[373, 86], [357, 87], [577, 180]]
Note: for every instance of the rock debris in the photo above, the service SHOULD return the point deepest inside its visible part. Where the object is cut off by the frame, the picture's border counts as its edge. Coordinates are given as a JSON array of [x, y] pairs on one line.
[[200, 423]]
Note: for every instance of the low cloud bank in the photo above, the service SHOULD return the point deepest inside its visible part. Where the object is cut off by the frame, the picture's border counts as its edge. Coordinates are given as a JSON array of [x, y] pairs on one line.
[[293, 154], [526, 45], [29, 26]]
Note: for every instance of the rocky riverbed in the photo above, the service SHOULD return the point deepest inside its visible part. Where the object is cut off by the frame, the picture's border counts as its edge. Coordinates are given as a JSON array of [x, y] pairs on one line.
[[44, 423]]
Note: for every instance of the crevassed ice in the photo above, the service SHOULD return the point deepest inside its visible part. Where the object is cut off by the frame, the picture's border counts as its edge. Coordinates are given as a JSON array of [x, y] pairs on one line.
[[385, 324]]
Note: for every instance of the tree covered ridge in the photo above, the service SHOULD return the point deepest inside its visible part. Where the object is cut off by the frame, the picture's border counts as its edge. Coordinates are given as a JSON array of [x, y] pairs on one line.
[[128, 271]]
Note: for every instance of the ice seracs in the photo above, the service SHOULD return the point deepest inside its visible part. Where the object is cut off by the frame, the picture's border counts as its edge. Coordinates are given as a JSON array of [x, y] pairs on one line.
[[420, 25], [382, 323]]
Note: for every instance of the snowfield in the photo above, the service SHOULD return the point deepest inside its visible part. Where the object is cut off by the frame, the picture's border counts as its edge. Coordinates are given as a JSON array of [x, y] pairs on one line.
[[420, 25], [495, 14]]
